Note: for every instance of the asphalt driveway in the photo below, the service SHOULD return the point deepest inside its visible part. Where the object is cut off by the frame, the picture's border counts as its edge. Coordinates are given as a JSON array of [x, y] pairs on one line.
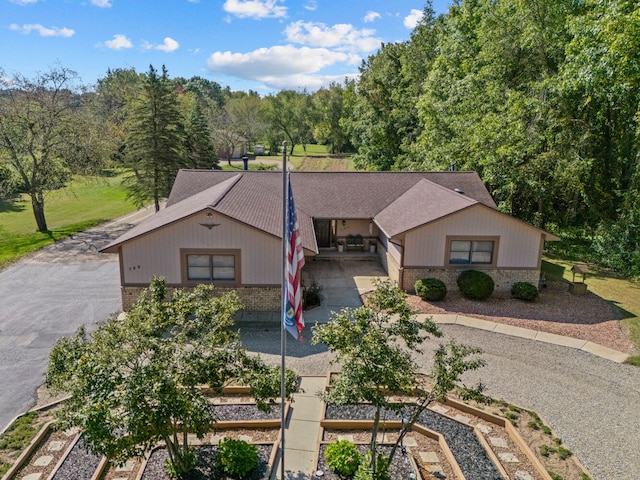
[[47, 296]]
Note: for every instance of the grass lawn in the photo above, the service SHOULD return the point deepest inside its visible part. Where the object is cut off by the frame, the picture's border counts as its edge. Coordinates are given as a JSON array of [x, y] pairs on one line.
[[86, 202], [623, 293], [314, 159]]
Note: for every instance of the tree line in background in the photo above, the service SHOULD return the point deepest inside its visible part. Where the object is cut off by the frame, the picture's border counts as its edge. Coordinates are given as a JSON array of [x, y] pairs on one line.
[[540, 97]]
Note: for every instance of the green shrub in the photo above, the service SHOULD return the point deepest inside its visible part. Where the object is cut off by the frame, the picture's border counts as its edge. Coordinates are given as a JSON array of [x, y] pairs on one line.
[[563, 453], [236, 458], [342, 457], [4, 467], [20, 433], [365, 472], [311, 295], [188, 462], [554, 476], [475, 285], [524, 291], [430, 289]]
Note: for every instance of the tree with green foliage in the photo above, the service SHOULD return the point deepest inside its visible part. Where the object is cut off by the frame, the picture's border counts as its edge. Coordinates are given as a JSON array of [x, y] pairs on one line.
[[45, 133], [382, 121], [113, 93], [155, 140], [289, 114], [328, 108], [374, 345], [246, 116], [200, 150], [139, 380]]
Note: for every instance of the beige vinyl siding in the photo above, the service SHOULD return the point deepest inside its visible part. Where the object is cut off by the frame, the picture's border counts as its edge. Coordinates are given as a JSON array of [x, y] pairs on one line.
[[355, 227], [395, 251], [158, 253], [519, 245]]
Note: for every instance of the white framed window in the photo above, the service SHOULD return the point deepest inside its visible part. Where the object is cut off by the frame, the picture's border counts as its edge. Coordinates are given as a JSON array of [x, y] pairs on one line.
[[202, 266], [471, 251]]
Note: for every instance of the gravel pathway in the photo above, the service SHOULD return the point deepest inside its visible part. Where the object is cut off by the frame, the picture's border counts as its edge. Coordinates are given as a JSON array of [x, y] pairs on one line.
[[591, 403]]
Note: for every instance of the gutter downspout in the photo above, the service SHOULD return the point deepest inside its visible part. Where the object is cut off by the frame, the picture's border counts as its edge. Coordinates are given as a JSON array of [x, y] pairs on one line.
[[401, 272]]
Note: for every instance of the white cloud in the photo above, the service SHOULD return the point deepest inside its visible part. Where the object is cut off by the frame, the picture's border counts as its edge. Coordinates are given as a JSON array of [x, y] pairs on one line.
[[119, 42], [282, 66], [274, 61], [23, 2], [102, 3], [42, 30], [311, 5], [169, 45], [255, 8], [299, 81], [371, 16], [342, 36], [411, 20]]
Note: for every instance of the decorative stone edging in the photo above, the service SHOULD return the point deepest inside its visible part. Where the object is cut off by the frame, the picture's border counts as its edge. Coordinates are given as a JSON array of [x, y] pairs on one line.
[[27, 452], [509, 428]]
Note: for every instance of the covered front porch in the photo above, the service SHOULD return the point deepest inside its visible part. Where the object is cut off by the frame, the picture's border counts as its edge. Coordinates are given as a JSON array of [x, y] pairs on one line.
[[346, 235]]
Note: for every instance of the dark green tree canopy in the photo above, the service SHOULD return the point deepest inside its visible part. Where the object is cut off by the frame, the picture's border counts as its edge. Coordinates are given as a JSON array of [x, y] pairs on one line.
[[139, 380]]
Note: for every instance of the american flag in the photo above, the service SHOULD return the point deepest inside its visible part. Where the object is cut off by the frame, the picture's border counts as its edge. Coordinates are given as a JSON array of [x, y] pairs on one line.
[[293, 321]]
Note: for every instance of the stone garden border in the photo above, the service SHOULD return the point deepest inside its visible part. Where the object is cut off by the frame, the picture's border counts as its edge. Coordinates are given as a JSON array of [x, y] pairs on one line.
[[103, 466]]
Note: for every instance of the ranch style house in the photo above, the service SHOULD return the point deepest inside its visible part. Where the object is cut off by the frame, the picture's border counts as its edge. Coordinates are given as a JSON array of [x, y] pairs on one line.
[[224, 228]]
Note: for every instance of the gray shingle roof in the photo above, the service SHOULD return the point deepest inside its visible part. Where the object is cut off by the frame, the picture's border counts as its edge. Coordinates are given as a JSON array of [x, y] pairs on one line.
[[255, 198]]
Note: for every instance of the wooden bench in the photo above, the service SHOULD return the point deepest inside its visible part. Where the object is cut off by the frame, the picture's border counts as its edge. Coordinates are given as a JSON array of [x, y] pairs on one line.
[[354, 242]]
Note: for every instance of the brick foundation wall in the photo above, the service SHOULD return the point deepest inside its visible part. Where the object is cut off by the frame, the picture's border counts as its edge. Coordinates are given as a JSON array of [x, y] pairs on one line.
[[503, 279], [254, 299]]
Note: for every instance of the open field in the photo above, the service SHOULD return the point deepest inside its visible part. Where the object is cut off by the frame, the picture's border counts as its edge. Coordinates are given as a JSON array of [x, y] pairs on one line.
[[314, 159], [86, 202]]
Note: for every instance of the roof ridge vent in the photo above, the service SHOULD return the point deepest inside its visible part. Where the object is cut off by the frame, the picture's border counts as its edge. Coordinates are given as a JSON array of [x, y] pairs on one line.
[[457, 190]]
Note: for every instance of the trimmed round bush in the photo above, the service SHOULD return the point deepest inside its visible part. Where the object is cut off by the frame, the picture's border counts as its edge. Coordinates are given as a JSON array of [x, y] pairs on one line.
[[430, 289], [524, 291], [343, 457], [236, 458], [475, 285]]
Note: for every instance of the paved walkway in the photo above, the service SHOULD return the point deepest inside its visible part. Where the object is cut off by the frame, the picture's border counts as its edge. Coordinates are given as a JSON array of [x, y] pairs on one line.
[[302, 431]]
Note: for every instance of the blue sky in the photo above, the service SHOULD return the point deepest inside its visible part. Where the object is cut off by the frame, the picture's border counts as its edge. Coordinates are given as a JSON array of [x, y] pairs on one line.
[[263, 45]]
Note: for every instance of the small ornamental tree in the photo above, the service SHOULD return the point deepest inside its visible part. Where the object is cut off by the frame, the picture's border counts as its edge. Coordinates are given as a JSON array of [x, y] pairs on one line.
[[375, 345], [137, 381]]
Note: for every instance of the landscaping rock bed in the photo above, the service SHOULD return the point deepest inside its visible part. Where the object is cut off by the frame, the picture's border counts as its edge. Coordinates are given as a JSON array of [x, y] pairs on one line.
[[80, 464], [400, 468], [155, 469], [415, 444], [228, 412], [465, 446]]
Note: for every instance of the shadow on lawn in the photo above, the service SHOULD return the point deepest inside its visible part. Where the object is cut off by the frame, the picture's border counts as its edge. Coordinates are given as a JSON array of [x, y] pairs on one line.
[[16, 205]]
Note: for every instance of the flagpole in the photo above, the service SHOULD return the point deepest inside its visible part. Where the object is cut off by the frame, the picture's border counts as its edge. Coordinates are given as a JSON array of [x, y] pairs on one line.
[[283, 333]]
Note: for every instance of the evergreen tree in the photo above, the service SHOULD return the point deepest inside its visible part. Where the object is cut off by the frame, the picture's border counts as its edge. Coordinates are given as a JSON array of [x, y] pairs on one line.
[[155, 140], [201, 152]]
